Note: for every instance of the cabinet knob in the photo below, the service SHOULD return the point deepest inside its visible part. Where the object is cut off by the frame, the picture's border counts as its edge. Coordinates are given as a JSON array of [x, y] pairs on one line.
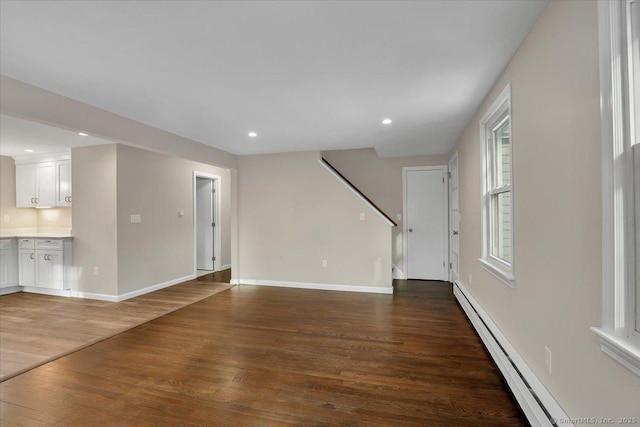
[[32, 200], [31, 255], [36, 200], [411, 230]]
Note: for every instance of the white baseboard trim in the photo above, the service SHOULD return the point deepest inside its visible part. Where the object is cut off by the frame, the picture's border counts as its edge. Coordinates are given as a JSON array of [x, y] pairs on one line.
[[234, 282], [539, 406], [397, 273], [10, 290], [90, 295], [45, 291], [317, 286], [152, 288], [225, 267]]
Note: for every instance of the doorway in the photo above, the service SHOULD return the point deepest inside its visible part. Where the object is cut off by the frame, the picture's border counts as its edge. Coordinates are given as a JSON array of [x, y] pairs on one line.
[[454, 219], [425, 234], [206, 220]]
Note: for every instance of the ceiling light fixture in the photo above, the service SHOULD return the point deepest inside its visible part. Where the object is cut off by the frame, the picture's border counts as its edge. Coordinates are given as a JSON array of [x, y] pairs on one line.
[[252, 134], [83, 134], [387, 121], [28, 150]]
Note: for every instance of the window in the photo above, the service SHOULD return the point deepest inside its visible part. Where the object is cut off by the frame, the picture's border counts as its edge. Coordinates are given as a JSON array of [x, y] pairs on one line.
[[619, 27], [497, 195]]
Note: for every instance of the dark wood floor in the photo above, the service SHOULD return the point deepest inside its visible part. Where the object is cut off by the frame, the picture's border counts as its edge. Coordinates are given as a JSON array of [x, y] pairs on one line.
[[273, 356]]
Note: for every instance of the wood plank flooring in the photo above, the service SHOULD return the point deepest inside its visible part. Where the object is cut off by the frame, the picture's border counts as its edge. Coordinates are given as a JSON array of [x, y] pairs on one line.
[[35, 329], [262, 356]]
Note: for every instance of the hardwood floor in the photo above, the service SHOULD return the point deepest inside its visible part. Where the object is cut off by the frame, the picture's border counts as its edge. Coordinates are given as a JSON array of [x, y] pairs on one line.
[[35, 329], [274, 356]]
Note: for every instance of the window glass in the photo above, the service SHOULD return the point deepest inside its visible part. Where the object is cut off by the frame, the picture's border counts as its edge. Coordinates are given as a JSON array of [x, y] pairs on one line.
[[501, 230], [502, 160]]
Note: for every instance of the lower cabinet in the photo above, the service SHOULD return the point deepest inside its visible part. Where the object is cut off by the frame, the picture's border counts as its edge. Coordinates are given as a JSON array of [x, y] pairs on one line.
[[43, 263], [8, 263]]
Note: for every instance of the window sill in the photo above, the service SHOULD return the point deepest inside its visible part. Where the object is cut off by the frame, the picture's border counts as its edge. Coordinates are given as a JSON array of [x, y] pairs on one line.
[[620, 349], [500, 272]]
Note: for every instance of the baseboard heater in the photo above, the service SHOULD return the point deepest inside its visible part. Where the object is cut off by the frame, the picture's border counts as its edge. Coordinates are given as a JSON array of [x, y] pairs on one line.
[[536, 402]]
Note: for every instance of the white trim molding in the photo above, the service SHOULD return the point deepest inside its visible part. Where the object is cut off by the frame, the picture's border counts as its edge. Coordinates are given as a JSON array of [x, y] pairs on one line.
[[46, 291], [10, 290], [91, 295], [396, 273], [225, 267], [538, 405], [217, 219], [618, 274], [317, 286], [152, 288], [499, 111]]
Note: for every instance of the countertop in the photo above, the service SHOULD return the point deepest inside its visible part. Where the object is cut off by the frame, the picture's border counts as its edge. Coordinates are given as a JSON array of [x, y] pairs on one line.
[[31, 233]]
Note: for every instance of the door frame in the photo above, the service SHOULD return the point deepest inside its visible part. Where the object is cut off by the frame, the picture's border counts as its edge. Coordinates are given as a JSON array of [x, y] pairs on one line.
[[451, 224], [217, 238], [445, 210]]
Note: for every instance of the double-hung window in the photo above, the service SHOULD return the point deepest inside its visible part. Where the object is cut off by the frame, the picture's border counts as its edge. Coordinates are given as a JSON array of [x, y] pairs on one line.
[[619, 33], [497, 195]]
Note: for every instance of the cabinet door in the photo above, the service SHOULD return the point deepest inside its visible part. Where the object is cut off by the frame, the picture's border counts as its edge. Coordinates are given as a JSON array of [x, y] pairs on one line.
[[45, 184], [4, 269], [63, 183], [49, 270], [26, 185], [26, 268]]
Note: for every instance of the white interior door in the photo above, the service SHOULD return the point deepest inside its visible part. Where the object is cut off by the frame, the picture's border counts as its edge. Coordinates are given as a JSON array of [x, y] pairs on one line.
[[425, 225], [454, 219], [204, 224]]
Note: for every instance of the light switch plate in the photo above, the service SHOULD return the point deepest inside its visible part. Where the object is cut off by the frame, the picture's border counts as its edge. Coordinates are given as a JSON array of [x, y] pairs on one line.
[[136, 219]]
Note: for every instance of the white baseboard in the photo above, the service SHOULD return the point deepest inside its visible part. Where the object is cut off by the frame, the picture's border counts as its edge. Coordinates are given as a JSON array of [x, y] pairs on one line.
[[10, 290], [89, 295], [318, 286], [45, 291], [535, 400], [397, 273], [152, 288], [225, 267]]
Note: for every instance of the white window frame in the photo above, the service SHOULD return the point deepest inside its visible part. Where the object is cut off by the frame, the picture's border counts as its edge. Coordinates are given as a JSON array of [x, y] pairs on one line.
[[495, 115], [617, 336]]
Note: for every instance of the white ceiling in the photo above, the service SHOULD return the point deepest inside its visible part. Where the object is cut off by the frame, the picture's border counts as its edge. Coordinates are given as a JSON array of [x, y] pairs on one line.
[[16, 135], [305, 75]]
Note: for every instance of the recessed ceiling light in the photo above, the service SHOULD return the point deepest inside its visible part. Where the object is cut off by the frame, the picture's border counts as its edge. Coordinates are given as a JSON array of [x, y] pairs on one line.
[[387, 121], [252, 134], [83, 134], [28, 150]]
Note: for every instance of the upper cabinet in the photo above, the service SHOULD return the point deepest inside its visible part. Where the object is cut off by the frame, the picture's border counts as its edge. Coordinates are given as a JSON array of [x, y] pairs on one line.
[[63, 183], [43, 184]]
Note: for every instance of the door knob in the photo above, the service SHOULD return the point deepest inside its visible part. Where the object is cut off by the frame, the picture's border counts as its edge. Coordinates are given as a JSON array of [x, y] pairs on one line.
[[455, 233], [411, 230]]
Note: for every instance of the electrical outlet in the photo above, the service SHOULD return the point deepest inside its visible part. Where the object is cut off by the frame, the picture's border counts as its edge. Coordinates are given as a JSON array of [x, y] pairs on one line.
[[361, 216], [399, 217], [547, 358], [324, 263], [136, 219], [96, 271]]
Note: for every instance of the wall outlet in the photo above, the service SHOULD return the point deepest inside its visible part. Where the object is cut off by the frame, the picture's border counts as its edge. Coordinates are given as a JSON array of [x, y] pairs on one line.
[[181, 214], [361, 216], [399, 217], [6, 218], [136, 219], [547, 358], [324, 263], [96, 271]]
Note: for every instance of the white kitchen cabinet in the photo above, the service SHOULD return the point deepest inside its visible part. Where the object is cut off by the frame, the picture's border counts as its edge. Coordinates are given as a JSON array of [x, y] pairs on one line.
[[8, 264], [49, 269], [35, 185], [26, 185], [43, 181], [63, 183], [45, 264], [27, 267]]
